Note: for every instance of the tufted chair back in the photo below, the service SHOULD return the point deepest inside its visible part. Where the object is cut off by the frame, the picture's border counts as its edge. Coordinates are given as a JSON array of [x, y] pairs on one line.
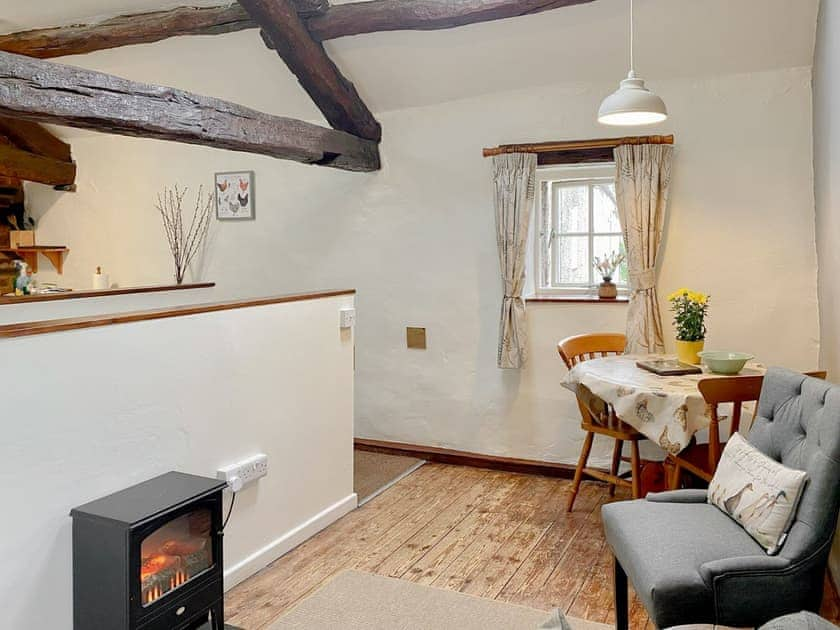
[[798, 424]]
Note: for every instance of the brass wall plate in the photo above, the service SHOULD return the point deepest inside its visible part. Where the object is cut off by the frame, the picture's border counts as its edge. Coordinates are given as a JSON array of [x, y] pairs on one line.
[[415, 338]]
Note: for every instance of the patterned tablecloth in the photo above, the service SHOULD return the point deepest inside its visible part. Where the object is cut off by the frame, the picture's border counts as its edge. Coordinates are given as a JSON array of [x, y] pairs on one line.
[[668, 410]]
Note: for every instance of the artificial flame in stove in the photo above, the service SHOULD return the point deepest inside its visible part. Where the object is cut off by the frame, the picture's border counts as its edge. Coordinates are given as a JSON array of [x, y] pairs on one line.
[[174, 554], [155, 592]]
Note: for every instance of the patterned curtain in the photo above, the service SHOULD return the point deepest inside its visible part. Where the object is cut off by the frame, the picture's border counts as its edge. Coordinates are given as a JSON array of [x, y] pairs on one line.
[[514, 177], [643, 180]]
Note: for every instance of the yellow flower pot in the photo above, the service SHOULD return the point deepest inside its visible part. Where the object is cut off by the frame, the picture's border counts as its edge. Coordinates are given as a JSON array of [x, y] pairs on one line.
[[687, 351]]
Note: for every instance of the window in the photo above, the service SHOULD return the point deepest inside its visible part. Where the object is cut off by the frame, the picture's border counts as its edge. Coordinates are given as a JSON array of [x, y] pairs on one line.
[[577, 220]]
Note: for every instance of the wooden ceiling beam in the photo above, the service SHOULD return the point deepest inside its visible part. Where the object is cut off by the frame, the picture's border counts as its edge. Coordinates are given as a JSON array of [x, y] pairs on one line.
[[308, 8], [34, 138], [44, 91], [17, 163], [138, 28], [334, 95], [322, 20], [373, 16], [125, 30]]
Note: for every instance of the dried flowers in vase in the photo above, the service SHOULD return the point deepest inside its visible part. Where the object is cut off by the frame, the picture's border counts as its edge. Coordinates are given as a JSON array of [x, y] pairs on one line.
[[607, 265]]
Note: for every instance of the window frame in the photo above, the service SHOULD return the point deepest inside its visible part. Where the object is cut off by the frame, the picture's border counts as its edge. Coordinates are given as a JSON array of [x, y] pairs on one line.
[[553, 178]]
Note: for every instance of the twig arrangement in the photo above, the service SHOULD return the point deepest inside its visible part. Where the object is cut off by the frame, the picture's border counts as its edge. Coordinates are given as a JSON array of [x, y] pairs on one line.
[[184, 244]]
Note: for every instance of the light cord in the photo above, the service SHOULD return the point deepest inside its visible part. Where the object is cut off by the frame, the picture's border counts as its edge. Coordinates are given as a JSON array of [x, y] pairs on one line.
[[632, 56]]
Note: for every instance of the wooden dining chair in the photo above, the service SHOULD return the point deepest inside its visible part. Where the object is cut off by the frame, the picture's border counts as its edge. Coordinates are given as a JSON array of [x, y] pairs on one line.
[[597, 417], [701, 460]]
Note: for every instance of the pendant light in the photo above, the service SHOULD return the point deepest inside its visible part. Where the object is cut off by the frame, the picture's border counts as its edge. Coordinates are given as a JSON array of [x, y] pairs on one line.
[[632, 103]]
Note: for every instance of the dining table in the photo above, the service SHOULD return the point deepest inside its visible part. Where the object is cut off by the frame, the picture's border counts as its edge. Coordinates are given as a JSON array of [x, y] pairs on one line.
[[668, 410]]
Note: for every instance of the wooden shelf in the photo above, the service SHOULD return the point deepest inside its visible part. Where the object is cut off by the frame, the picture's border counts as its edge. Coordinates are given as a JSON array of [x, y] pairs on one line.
[[29, 254], [96, 293]]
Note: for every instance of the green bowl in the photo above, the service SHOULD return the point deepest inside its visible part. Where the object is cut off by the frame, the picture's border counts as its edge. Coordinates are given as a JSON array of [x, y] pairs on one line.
[[723, 362]]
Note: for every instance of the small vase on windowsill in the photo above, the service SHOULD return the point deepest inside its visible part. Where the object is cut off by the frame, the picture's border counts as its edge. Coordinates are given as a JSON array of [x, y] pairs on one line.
[[607, 289]]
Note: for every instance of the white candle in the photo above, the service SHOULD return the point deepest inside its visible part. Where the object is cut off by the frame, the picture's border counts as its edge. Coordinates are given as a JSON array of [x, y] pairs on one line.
[[100, 280]]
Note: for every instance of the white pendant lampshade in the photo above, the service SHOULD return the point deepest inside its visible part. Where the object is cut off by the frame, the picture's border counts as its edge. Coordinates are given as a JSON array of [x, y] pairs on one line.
[[632, 103]]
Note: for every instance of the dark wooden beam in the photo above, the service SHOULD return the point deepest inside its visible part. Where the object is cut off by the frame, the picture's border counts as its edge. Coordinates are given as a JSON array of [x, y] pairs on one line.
[[22, 164], [322, 20], [308, 8], [373, 16], [138, 28], [44, 91], [125, 30], [11, 191], [334, 95], [34, 138]]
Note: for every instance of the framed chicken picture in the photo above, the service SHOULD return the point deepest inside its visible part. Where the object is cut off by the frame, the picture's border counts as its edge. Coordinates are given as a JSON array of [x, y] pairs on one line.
[[235, 195]]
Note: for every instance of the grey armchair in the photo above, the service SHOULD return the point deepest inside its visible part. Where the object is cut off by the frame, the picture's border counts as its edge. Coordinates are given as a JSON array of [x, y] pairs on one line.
[[690, 563]]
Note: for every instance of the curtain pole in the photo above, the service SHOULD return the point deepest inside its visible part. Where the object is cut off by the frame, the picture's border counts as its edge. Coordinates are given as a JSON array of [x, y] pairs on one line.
[[576, 145]]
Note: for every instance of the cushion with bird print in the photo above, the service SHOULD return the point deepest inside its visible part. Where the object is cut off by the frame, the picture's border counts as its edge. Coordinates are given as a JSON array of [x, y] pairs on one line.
[[757, 492]]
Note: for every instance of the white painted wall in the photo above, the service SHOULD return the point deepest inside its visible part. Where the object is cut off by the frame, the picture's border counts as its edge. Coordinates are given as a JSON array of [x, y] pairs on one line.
[[83, 307], [417, 239], [89, 412], [827, 180]]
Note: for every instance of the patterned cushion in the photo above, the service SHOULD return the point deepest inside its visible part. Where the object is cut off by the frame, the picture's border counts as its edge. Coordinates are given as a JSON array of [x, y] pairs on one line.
[[758, 492]]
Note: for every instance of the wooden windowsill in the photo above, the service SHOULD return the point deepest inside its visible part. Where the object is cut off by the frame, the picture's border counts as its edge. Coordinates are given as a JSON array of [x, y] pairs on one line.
[[25, 329], [74, 295], [575, 299]]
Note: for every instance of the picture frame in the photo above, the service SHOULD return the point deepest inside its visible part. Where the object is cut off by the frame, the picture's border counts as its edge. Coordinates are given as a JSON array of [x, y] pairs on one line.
[[234, 194]]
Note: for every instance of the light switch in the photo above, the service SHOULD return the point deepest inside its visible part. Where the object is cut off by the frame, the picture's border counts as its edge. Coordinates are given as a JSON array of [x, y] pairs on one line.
[[347, 317], [415, 338]]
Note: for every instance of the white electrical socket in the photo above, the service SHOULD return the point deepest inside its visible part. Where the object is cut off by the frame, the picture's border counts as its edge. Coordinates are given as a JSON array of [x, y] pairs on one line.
[[242, 473], [347, 317]]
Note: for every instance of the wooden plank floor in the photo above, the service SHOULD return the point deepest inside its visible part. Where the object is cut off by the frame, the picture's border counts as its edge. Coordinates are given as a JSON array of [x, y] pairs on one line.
[[499, 535]]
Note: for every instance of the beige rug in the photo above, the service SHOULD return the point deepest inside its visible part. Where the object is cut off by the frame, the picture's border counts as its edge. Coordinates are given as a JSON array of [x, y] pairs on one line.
[[374, 473], [362, 601]]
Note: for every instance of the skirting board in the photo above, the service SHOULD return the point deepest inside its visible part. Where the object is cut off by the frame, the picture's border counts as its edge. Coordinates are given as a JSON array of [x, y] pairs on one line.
[[288, 541], [465, 458]]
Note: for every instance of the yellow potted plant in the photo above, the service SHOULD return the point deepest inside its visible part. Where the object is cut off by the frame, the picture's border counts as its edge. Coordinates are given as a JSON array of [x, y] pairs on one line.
[[690, 311]]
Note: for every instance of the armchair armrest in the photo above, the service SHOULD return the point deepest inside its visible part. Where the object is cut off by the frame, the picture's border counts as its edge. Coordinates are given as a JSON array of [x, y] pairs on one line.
[[743, 585], [743, 565], [678, 496]]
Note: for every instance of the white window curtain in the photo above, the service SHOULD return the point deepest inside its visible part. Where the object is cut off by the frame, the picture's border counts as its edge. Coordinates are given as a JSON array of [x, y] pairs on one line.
[[514, 177], [643, 181]]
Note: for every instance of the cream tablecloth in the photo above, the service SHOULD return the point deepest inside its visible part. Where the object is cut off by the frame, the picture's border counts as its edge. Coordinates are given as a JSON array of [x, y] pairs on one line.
[[668, 410]]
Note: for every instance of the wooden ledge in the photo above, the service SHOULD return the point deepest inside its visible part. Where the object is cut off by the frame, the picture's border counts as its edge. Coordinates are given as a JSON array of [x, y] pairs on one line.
[[25, 329], [575, 299], [465, 458], [73, 295]]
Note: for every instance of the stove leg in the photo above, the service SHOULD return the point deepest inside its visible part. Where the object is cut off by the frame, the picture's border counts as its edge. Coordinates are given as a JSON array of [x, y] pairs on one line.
[[217, 616]]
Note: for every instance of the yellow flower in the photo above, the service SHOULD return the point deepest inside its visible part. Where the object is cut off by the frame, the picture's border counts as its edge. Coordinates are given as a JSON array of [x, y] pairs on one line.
[[691, 296]]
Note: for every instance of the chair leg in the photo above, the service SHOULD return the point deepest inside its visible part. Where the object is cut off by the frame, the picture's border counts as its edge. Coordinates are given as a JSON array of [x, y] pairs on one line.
[[621, 604], [636, 469], [616, 462], [584, 456]]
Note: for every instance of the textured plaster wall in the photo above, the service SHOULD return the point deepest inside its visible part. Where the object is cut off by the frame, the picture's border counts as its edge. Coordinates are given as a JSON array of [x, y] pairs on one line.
[[418, 241], [97, 410]]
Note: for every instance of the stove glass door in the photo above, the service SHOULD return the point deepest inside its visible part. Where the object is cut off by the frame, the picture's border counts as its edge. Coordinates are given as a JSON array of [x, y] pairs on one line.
[[174, 554]]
